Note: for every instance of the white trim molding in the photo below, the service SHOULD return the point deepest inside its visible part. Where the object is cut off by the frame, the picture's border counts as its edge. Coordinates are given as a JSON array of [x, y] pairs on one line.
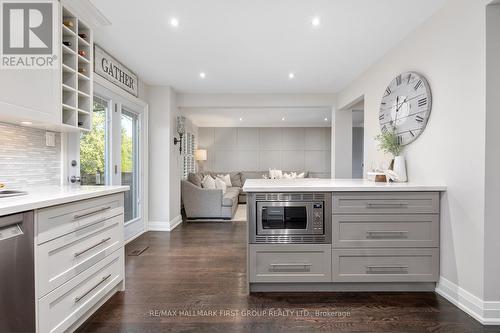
[[165, 226], [486, 312]]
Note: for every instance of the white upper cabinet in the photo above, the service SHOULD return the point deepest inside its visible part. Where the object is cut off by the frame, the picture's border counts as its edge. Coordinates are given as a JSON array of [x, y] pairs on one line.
[[57, 99]]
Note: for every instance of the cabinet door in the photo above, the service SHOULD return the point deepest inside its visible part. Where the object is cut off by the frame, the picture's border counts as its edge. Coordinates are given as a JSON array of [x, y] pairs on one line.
[[33, 94], [378, 230], [386, 203], [290, 263], [385, 265]]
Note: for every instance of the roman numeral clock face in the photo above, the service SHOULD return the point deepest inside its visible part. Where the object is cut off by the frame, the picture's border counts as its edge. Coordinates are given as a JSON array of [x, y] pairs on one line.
[[406, 106]]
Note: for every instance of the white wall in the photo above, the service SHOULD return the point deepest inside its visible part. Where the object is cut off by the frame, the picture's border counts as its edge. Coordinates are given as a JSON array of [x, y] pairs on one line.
[[492, 225], [449, 49], [259, 149], [164, 159], [175, 162]]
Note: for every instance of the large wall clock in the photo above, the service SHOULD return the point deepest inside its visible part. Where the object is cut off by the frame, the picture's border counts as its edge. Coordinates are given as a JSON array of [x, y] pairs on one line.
[[406, 107]]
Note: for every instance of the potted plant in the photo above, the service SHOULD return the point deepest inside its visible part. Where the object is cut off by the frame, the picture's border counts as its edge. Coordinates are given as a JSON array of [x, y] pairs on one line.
[[389, 143]]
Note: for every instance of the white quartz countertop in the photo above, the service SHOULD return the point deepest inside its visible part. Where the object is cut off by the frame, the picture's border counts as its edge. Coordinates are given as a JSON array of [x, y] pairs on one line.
[[334, 185], [40, 197]]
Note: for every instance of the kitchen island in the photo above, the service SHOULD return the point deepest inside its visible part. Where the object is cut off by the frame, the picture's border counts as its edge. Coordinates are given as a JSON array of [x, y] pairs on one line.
[[342, 235]]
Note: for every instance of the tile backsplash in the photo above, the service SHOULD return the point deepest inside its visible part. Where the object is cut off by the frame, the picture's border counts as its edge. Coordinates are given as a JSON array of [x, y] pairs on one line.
[[25, 160]]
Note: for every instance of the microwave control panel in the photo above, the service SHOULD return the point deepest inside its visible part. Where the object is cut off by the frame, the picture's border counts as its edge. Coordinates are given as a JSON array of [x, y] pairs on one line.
[[317, 214]]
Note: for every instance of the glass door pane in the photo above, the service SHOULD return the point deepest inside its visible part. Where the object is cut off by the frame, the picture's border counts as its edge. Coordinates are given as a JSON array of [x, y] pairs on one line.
[[94, 148], [129, 162]]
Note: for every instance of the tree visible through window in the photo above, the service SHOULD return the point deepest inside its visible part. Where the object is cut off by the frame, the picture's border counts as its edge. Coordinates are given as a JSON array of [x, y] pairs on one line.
[[93, 147]]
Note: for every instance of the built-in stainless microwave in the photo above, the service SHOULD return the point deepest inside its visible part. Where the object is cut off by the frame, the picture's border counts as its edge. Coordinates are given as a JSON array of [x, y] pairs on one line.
[[292, 218]]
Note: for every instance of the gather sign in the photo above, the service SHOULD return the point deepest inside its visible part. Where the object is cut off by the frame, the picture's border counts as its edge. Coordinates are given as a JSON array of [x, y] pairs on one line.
[[112, 70]]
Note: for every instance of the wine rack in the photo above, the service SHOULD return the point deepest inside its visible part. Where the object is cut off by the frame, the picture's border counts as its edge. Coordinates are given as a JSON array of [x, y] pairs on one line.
[[76, 72]]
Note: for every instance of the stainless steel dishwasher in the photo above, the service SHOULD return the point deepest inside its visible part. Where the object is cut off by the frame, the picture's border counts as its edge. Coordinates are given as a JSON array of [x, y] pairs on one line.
[[17, 273]]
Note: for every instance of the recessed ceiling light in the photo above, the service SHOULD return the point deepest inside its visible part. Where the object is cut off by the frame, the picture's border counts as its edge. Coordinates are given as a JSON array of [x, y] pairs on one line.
[[291, 76], [326, 119], [315, 22], [26, 123], [174, 22], [203, 75], [283, 119], [241, 119]]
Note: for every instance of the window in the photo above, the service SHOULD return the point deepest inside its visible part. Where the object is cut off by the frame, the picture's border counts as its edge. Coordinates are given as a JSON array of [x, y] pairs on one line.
[[93, 146]]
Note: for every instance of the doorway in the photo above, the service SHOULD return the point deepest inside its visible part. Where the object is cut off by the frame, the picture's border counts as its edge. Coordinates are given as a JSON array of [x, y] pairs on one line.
[[112, 152], [358, 134]]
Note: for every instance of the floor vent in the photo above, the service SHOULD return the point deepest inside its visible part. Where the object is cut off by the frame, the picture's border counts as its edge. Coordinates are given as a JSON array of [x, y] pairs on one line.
[[138, 252]]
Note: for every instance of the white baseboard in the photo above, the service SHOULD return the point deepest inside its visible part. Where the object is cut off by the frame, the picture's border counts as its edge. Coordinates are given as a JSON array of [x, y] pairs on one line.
[[175, 222], [135, 236], [487, 313], [165, 226]]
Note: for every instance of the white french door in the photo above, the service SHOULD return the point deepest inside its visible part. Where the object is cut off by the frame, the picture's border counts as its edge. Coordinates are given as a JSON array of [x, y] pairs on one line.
[[112, 153]]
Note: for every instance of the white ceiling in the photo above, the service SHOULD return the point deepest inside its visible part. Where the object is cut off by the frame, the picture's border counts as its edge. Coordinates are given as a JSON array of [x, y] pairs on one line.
[[251, 46], [259, 117]]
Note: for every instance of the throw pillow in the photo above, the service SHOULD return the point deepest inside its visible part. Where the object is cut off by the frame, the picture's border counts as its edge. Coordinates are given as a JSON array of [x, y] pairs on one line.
[[195, 178], [226, 179], [208, 182], [220, 185], [275, 174]]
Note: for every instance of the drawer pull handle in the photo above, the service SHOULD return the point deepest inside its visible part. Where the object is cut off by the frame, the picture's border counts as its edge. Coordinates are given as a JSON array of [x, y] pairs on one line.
[[79, 298], [304, 266], [387, 233], [81, 216], [77, 254], [384, 205], [386, 269]]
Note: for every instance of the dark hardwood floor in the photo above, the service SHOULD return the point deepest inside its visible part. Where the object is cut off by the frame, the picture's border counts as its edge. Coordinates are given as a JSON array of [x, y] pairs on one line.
[[187, 277]]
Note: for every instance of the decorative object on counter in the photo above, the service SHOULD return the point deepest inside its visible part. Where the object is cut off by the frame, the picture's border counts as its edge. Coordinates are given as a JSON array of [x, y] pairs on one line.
[[378, 177], [181, 129], [2, 185], [390, 142], [406, 107]]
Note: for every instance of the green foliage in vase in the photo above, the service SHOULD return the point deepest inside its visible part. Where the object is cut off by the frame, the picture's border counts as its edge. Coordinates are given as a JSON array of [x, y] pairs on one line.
[[388, 143]]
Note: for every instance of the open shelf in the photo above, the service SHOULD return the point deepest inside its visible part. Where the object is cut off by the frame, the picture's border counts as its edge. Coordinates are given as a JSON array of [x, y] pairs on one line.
[[67, 50], [76, 73], [70, 116], [69, 79]]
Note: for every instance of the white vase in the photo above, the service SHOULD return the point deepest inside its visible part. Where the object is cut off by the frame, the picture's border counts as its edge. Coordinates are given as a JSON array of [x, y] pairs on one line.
[[400, 168]]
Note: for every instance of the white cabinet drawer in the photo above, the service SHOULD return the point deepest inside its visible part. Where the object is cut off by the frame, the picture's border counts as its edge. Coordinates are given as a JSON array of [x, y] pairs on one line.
[[59, 220], [63, 258], [397, 230], [386, 203], [290, 263], [64, 306], [385, 265]]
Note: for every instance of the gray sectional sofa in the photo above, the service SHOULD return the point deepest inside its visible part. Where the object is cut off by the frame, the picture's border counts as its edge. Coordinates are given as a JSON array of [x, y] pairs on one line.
[[201, 203]]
